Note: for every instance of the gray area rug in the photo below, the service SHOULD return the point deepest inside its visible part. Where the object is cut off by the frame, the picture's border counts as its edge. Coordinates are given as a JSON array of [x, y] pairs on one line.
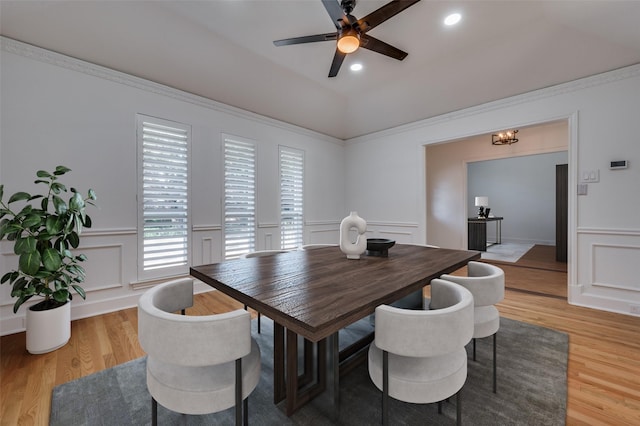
[[532, 387], [506, 252]]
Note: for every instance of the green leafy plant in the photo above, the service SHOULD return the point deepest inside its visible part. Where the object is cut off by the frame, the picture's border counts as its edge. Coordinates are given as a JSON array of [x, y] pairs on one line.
[[44, 233]]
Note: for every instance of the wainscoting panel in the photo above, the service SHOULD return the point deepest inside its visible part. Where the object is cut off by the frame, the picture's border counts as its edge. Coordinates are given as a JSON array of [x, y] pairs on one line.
[[328, 232], [207, 244], [624, 275], [611, 282], [322, 232], [104, 267], [401, 233], [111, 264]]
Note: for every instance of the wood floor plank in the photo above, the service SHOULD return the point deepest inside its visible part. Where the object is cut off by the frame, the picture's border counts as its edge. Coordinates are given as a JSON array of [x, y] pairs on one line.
[[603, 377]]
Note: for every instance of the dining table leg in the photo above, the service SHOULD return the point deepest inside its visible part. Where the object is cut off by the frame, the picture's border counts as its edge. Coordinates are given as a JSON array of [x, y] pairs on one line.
[[292, 372], [333, 375], [297, 393], [298, 389], [279, 382]]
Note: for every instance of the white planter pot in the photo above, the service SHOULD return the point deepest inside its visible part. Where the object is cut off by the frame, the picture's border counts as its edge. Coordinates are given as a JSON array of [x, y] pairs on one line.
[[48, 330]]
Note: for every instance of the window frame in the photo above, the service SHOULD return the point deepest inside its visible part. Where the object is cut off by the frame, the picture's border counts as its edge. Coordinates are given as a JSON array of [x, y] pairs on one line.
[[147, 274], [300, 155], [254, 237]]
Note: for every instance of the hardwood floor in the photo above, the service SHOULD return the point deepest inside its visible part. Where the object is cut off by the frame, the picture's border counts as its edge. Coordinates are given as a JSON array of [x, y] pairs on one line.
[[603, 370]]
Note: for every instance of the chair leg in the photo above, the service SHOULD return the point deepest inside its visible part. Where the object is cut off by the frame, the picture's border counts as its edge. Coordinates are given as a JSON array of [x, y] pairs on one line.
[[459, 408], [154, 412], [245, 308], [495, 385], [474, 349], [385, 388], [239, 392], [245, 409]]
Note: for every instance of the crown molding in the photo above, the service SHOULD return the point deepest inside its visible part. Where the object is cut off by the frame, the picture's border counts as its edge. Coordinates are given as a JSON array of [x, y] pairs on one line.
[[608, 77], [53, 58], [63, 61]]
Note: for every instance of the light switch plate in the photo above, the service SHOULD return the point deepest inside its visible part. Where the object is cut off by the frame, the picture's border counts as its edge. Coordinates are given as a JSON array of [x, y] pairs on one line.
[[590, 176], [582, 188]]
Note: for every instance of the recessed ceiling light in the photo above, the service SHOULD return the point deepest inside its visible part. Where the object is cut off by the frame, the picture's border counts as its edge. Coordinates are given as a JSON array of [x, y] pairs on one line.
[[452, 19], [356, 67]]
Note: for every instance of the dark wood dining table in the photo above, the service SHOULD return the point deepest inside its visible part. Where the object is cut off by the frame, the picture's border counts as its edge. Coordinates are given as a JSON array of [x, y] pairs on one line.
[[314, 294]]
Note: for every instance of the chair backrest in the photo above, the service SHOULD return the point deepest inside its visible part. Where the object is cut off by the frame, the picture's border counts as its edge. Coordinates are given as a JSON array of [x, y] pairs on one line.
[[261, 253], [189, 340], [483, 280], [444, 329], [317, 246]]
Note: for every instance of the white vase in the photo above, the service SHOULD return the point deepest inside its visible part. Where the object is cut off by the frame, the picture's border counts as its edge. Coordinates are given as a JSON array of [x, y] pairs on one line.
[[353, 250], [48, 330]]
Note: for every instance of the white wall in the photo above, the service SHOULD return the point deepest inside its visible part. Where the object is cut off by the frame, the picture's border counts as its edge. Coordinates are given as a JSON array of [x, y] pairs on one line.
[[520, 189], [57, 110], [604, 231]]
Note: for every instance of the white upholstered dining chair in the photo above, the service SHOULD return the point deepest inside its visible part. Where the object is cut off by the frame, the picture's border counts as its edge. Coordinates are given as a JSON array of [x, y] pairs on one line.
[[419, 356], [486, 283], [414, 300], [196, 364], [317, 246]]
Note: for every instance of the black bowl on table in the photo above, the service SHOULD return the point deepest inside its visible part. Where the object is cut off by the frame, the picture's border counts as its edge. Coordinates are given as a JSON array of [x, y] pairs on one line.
[[379, 246]]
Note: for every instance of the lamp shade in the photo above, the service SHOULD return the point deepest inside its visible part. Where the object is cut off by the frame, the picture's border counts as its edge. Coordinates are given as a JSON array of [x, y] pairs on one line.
[[482, 201]]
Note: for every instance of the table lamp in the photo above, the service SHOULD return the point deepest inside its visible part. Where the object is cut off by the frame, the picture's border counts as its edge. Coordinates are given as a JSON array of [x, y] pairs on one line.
[[481, 203]]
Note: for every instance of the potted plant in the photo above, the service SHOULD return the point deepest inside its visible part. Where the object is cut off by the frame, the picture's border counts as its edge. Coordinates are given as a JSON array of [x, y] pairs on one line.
[[44, 229]]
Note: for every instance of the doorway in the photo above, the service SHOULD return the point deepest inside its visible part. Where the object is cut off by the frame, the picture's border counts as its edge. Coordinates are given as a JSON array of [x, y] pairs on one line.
[[522, 190], [447, 199], [447, 195]]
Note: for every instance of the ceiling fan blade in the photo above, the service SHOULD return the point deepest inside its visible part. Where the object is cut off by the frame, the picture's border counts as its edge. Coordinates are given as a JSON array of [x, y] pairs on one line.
[[380, 15], [306, 39], [373, 44], [338, 58], [335, 12]]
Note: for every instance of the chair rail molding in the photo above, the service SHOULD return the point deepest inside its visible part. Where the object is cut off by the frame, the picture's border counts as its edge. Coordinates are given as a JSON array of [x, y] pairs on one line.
[[608, 231], [109, 232], [206, 228]]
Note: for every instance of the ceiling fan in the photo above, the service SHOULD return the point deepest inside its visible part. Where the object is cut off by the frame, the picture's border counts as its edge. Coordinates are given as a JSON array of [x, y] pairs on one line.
[[352, 33]]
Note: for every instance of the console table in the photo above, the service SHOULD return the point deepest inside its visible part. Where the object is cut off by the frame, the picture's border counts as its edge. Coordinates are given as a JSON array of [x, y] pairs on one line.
[[477, 232]]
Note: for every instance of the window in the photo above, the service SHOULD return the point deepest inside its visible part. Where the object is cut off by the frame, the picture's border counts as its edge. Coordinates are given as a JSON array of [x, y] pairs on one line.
[[291, 198], [239, 197], [163, 197]]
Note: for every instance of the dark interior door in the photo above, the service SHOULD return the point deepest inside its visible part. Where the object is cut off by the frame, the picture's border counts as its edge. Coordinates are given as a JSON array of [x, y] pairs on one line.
[[562, 213]]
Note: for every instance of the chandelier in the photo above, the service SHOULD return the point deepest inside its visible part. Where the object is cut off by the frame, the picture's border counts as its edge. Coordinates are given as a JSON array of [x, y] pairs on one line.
[[504, 138]]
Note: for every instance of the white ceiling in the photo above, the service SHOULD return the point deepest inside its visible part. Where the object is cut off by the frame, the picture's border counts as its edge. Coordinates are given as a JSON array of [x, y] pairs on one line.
[[223, 50]]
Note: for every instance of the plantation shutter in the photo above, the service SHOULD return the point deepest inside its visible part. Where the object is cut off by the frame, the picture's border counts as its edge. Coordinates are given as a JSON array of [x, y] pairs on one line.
[[291, 198], [239, 197], [164, 196]]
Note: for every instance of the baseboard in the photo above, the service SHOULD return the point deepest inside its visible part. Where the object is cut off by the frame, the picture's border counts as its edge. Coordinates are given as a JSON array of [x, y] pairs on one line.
[[86, 309]]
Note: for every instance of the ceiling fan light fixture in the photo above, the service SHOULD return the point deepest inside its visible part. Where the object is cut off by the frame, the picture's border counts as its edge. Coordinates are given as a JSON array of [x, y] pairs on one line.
[[349, 42], [350, 31]]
